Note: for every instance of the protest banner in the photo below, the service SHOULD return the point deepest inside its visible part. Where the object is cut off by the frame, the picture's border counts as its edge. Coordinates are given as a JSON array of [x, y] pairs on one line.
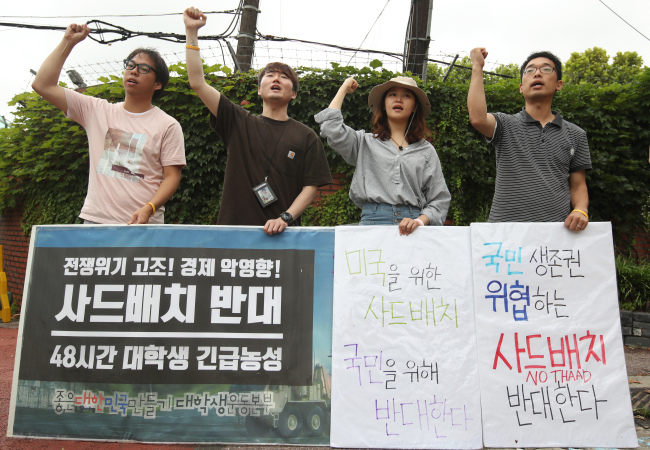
[[404, 350], [175, 334], [551, 357]]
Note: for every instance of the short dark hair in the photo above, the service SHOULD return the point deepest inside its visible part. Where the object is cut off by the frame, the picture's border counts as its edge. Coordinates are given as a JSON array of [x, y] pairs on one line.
[[282, 68], [159, 65], [548, 55]]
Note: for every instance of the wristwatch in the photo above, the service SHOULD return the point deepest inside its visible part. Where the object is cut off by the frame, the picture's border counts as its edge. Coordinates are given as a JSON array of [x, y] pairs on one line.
[[287, 218]]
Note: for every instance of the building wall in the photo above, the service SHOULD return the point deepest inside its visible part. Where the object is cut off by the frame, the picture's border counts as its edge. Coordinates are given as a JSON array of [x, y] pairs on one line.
[[329, 189], [642, 245], [15, 247]]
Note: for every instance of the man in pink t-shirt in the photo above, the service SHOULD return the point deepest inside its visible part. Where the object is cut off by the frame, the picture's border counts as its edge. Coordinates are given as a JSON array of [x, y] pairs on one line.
[[137, 151]]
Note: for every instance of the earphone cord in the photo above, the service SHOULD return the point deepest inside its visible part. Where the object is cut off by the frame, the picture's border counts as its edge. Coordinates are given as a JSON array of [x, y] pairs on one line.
[[408, 128]]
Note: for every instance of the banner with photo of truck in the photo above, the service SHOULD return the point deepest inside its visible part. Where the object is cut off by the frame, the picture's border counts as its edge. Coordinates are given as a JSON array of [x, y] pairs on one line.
[[176, 334]]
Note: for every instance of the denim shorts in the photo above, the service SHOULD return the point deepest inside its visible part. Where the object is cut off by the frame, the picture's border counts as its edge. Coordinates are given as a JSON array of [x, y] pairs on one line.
[[385, 214]]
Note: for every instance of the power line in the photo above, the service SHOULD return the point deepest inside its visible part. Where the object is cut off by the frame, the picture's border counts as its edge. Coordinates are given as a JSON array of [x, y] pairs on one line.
[[373, 25], [235, 20], [229, 11], [105, 31], [110, 29], [340, 47], [124, 34], [33, 27], [628, 23]]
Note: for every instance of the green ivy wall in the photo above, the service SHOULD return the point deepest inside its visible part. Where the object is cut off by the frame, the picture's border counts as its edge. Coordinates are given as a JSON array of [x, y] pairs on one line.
[[44, 162]]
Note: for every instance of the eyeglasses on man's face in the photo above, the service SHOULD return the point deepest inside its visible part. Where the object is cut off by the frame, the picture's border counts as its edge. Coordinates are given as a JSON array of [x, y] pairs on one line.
[[143, 69], [546, 70]]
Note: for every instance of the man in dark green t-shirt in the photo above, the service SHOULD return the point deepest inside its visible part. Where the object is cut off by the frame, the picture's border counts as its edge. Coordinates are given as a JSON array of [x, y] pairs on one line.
[[275, 164]]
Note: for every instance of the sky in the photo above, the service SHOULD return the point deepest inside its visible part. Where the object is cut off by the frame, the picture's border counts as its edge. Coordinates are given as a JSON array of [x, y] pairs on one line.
[[508, 29]]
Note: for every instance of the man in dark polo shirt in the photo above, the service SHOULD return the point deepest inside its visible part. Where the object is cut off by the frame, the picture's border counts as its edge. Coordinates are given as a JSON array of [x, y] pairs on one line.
[[275, 164], [541, 158]]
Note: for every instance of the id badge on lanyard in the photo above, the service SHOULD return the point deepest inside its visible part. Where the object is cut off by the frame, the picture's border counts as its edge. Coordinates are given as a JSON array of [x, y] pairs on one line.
[[263, 191]]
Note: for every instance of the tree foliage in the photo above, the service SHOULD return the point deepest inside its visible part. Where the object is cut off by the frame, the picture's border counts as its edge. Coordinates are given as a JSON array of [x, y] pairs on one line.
[[44, 157], [592, 66]]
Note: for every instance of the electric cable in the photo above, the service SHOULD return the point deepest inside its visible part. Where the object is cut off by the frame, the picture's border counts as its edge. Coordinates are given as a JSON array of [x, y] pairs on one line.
[[235, 20], [229, 11], [103, 33], [628, 24], [373, 25]]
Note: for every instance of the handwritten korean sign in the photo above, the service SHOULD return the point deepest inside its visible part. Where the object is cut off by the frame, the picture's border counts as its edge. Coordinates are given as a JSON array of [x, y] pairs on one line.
[[404, 355], [550, 350]]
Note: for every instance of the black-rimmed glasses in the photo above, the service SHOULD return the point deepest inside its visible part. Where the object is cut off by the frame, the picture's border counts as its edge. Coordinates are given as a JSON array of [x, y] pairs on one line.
[[143, 69]]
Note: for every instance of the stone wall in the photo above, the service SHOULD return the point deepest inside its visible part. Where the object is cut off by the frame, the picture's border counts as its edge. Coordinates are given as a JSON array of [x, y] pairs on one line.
[[636, 328]]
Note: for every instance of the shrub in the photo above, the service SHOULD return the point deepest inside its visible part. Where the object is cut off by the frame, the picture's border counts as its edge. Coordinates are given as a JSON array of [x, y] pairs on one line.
[[633, 284]]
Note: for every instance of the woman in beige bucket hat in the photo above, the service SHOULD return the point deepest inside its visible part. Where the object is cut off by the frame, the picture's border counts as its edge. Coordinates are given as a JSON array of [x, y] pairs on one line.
[[398, 179]]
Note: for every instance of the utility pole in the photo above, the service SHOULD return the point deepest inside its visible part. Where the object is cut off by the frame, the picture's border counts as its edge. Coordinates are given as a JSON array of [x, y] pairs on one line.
[[246, 37], [418, 38]]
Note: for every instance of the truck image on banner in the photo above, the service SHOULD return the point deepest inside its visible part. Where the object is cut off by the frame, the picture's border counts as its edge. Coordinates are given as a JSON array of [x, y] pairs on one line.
[[298, 410]]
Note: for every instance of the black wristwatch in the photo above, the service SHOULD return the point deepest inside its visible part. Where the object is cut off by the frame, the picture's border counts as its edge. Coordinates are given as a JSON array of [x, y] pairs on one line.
[[287, 218]]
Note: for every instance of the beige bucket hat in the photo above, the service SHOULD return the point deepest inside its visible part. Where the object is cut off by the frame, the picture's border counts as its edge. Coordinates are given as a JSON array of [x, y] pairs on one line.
[[376, 94]]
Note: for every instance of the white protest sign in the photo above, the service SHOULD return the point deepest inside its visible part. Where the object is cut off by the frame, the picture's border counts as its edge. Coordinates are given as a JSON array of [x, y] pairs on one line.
[[549, 339], [403, 352]]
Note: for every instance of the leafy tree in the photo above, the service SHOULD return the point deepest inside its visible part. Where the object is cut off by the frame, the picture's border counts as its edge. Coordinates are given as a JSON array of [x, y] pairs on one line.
[[509, 70], [592, 66], [436, 71], [626, 66]]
